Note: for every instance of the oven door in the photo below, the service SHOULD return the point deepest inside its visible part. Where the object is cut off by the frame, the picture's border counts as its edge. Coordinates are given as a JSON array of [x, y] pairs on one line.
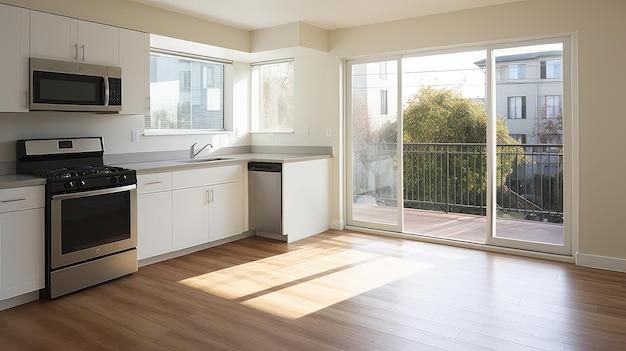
[[91, 224]]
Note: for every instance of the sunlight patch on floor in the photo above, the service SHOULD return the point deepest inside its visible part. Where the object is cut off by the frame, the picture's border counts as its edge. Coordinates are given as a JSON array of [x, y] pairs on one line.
[[295, 284], [250, 278], [316, 294]]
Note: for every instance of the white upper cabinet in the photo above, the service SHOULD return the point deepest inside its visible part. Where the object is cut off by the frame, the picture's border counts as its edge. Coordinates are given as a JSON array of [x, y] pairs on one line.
[[14, 31], [135, 63], [67, 39]]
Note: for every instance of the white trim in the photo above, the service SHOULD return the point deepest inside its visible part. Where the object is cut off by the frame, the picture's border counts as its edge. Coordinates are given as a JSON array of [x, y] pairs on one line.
[[601, 262], [465, 244], [337, 224]]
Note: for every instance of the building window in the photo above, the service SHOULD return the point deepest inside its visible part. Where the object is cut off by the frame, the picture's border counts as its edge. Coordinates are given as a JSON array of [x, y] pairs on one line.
[[551, 69], [517, 107], [517, 71], [273, 96], [383, 70], [552, 106], [520, 138], [383, 102], [181, 97]]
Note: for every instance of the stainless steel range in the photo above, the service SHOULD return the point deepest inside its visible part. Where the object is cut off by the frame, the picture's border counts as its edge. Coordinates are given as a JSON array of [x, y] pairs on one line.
[[91, 212]]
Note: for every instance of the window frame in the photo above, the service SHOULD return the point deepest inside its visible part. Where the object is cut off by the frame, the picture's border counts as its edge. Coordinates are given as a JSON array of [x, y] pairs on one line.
[[255, 99], [226, 92], [522, 108]]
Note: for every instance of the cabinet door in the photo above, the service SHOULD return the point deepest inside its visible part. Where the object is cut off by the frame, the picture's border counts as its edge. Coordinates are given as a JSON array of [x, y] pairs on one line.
[[154, 224], [135, 62], [98, 43], [226, 210], [53, 37], [21, 252], [14, 41], [191, 217]]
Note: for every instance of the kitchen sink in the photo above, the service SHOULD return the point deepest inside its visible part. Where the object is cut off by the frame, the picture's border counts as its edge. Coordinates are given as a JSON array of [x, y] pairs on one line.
[[201, 160]]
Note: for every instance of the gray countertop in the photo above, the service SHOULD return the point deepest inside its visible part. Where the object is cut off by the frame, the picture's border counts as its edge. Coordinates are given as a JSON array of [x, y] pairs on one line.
[[177, 165], [20, 180]]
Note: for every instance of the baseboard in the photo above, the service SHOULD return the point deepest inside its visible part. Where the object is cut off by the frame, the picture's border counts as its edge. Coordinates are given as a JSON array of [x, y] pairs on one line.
[[19, 300], [187, 251], [601, 262]]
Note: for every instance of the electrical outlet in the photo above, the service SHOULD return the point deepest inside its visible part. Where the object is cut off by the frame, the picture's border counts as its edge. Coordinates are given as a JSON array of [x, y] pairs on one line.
[[271, 137], [134, 136], [306, 131], [328, 131]]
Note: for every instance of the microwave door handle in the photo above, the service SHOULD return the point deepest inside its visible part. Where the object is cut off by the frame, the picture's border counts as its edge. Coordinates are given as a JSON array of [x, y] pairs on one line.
[[106, 91]]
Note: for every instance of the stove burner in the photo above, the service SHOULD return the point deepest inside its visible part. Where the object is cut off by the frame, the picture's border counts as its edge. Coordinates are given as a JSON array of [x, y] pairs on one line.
[[85, 171]]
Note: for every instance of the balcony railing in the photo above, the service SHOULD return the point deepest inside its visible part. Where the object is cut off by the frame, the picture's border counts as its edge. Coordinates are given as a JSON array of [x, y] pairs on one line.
[[452, 178]]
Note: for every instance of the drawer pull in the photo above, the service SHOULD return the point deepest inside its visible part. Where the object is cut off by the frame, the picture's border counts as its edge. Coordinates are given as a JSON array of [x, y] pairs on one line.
[[153, 183], [12, 200]]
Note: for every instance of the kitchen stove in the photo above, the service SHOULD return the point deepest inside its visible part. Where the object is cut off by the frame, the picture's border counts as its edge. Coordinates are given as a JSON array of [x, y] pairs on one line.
[[91, 225]]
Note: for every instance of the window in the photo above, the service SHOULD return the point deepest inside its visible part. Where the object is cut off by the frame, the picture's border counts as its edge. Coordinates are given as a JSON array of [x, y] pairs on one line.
[[383, 70], [517, 107], [517, 71], [550, 69], [552, 106], [186, 92], [383, 102], [273, 96], [520, 138]]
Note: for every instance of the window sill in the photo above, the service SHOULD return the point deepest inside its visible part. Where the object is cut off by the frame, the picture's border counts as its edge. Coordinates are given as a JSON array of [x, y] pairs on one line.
[[273, 131], [174, 132]]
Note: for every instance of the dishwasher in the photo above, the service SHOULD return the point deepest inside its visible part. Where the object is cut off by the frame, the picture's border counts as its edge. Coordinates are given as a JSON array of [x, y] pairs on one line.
[[265, 199]]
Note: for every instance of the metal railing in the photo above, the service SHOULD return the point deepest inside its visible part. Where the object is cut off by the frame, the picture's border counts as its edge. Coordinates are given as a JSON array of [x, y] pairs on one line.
[[452, 178]]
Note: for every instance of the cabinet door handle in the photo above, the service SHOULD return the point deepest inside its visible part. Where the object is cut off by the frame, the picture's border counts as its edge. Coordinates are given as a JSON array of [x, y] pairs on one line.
[[212, 196], [83, 48], [12, 200], [76, 51]]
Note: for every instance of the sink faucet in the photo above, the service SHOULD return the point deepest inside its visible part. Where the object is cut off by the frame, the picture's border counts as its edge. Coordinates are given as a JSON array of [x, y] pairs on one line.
[[193, 154]]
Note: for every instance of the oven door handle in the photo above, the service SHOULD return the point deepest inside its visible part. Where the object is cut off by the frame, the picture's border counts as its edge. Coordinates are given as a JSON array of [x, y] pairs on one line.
[[118, 189]]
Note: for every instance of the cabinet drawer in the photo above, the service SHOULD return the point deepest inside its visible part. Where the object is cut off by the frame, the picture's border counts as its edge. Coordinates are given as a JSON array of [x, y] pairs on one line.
[[15, 199], [207, 176], [150, 183]]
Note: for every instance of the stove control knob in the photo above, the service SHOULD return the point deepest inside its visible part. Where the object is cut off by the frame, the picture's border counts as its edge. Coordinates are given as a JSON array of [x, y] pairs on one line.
[[69, 185], [122, 178], [113, 180], [80, 183]]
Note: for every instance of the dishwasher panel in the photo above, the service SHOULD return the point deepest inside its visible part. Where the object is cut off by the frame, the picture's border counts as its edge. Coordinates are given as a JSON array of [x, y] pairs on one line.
[[265, 197]]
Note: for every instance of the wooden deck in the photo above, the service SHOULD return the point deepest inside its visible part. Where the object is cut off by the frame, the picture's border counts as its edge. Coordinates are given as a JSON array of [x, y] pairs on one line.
[[462, 227]]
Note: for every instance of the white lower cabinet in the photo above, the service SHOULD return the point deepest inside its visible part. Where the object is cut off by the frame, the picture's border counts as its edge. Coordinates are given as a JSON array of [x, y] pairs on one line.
[[208, 205], [182, 209], [21, 241], [191, 217], [226, 210], [154, 214]]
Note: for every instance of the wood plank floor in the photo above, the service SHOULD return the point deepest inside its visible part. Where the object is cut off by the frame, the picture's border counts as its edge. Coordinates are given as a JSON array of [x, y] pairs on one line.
[[338, 290]]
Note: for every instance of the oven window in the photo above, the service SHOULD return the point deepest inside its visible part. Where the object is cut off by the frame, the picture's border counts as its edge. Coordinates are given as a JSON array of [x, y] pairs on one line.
[[95, 220]]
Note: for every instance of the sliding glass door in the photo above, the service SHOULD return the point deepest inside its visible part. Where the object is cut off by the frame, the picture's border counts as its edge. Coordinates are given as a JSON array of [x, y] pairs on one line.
[[372, 144], [466, 145]]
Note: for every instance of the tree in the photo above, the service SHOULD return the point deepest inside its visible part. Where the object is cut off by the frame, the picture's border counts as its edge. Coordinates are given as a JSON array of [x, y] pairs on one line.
[[445, 149]]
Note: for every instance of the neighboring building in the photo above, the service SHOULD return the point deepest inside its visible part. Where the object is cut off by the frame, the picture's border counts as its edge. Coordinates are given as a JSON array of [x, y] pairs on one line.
[[529, 95]]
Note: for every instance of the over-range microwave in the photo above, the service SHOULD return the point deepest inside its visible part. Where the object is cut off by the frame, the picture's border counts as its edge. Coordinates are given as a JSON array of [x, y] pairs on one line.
[[74, 86]]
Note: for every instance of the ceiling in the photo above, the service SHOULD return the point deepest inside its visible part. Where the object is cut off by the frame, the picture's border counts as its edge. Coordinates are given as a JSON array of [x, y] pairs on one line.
[[325, 14]]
